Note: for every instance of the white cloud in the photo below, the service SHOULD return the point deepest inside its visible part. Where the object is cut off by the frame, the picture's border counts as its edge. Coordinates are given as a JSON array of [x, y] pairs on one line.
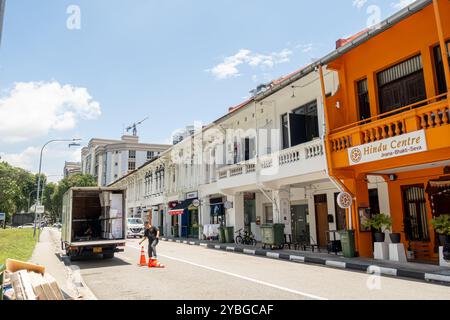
[[305, 47], [32, 109], [229, 67], [28, 159], [359, 3], [400, 4], [25, 159]]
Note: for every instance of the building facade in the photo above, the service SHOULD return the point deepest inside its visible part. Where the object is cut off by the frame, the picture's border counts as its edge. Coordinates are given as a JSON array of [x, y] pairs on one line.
[[71, 168], [109, 160], [393, 123], [370, 119], [262, 162]]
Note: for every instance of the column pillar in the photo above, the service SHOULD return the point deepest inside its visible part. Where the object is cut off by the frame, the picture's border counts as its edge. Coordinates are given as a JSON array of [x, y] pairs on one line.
[[235, 215], [359, 188], [205, 214], [282, 208]]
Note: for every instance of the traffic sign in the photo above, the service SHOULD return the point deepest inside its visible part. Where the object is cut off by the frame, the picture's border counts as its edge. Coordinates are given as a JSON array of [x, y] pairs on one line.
[[40, 209], [2, 216]]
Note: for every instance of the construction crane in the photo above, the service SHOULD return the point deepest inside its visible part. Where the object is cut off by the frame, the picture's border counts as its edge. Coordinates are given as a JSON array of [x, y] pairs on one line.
[[134, 126]]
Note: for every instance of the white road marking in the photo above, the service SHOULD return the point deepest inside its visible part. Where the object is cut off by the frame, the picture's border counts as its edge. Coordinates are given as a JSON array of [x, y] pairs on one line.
[[273, 255], [242, 277], [249, 251], [437, 277], [297, 258], [336, 264]]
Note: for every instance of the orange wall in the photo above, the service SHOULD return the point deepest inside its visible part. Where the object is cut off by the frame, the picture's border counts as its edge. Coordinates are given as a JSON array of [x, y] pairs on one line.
[[416, 34]]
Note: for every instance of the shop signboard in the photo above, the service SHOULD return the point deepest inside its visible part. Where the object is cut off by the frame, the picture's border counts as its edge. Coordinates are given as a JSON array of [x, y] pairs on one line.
[[406, 144], [196, 203], [344, 200], [228, 205], [192, 195]]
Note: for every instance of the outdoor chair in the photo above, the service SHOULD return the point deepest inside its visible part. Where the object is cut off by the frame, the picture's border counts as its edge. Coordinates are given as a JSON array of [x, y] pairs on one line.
[[306, 243], [288, 241]]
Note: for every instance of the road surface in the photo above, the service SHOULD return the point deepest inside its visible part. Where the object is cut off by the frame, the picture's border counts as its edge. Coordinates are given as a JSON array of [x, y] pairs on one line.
[[197, 273]]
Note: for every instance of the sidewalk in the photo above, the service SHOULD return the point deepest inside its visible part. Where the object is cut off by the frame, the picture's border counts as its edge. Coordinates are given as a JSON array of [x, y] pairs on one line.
[[48, 254], [410, 270]]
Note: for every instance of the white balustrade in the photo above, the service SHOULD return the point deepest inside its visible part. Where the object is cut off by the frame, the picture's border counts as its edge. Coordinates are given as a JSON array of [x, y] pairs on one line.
[[285, 157]]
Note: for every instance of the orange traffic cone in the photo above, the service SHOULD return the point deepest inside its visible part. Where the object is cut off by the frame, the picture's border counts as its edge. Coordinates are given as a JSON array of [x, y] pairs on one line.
[[153, 263], [142, 261]]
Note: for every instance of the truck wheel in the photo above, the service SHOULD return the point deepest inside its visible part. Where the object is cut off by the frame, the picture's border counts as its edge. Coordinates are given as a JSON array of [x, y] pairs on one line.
[[108, 255]]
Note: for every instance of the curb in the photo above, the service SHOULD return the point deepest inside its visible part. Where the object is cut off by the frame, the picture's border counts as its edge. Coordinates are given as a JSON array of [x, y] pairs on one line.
[[359, 267]]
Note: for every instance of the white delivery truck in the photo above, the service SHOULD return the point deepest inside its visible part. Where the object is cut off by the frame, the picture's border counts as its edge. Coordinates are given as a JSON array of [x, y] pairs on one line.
[[93, 222]]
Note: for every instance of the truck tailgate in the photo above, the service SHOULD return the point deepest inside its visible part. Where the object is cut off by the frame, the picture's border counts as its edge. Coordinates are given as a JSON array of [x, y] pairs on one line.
[[97, 243]]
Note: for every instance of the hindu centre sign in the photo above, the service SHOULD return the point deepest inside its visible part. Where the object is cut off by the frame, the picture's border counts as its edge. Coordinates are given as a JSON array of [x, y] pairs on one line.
[[402, 145]]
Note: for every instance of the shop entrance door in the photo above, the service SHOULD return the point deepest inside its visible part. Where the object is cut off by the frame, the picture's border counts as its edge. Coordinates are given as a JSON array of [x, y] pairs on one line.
[[416, 221], [184, 223], [320, 202], [374, 208], [249, 210], [299, 222], [161, 222]]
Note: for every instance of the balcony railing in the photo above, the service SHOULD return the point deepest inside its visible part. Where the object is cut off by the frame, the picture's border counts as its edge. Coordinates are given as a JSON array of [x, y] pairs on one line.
[[427, 114], [285, 157]]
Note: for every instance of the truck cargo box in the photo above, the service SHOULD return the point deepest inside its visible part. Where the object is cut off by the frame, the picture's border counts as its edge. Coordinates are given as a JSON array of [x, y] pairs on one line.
[[93, 220]]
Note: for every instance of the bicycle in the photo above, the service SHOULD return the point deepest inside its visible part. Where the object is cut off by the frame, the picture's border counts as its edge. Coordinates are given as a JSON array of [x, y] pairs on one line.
[[247, 238]]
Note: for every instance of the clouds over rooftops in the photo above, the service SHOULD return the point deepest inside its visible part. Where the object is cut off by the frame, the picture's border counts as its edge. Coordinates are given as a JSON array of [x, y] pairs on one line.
[[31, 109], [230, 67]]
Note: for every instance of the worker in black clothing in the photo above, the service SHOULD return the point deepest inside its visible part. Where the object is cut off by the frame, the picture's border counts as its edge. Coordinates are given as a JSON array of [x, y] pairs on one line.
[[152, 235]]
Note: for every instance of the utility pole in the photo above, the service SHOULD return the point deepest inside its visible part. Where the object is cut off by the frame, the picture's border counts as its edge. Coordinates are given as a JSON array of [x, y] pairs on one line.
[[38, 203], [2, 14]]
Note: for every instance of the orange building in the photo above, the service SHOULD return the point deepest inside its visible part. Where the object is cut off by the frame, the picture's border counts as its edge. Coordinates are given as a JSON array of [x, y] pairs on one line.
[[390, 118]]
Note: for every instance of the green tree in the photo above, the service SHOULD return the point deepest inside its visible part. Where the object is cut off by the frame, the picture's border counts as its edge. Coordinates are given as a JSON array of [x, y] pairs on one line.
[[49, 190], [76, 180], [15, 187]]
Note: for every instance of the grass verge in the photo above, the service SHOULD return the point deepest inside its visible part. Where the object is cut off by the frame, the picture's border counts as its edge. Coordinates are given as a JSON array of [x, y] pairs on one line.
[[16, 244]]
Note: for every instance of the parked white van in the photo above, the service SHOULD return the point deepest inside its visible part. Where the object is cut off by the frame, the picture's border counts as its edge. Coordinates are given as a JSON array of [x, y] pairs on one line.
[[135, 227]]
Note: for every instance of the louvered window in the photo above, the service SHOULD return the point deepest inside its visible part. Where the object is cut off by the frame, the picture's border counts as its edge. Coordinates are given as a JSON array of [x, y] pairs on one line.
[[401, 85], [400, 70]]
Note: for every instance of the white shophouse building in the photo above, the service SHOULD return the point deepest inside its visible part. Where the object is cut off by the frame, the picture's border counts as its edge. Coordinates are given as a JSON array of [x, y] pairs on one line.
[[265, 159]]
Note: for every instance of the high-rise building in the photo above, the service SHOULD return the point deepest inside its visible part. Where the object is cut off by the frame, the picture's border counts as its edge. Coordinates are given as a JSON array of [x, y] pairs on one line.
[[182, 134], [109, 160], [71, 168]]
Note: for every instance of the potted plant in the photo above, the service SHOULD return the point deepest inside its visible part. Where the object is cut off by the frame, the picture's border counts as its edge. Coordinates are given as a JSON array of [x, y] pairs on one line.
[[194, 230], [379, 223], [395, 237], [441, 225]]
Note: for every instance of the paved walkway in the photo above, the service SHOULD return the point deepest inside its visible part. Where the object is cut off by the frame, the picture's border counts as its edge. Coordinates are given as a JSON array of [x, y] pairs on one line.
[[48, 254], [411, 270]]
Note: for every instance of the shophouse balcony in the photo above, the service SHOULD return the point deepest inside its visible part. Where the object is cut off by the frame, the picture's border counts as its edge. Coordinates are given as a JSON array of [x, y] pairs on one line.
[[283, 167], [431, 115]]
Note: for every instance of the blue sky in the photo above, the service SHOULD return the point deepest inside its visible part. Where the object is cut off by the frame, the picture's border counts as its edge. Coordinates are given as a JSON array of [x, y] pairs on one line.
[[177, 61]]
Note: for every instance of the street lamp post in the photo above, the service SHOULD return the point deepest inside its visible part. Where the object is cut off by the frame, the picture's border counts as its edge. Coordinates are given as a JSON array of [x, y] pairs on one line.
[[38, 203]]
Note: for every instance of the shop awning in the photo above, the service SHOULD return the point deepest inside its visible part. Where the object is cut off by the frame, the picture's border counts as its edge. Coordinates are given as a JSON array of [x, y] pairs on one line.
[[179, 209], [439, 185]]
